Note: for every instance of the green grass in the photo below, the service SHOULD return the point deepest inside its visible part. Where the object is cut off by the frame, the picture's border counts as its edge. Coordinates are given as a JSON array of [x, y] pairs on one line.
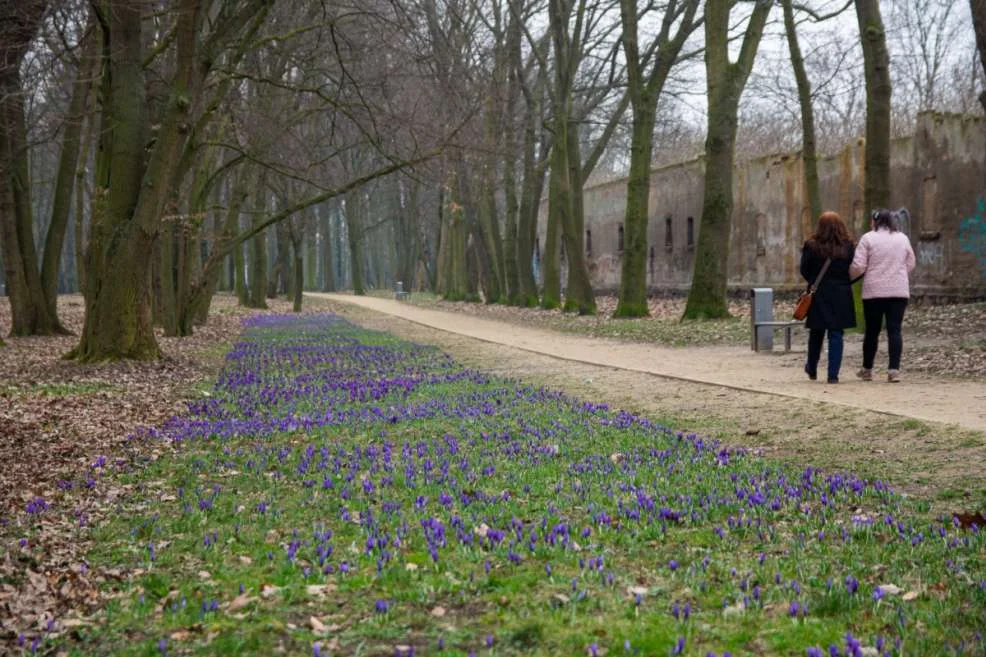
[[223, 514]]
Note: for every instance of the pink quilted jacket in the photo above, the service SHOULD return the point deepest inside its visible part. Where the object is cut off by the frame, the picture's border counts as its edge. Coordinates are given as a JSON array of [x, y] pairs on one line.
[[885, 258]]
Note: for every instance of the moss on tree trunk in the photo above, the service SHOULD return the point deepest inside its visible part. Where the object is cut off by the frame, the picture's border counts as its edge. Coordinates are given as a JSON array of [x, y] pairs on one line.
[[633, 277], [876, 191], [725, 80]]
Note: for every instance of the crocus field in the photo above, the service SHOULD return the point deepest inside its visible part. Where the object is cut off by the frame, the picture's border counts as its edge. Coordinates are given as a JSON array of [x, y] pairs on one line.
[[342, 492]]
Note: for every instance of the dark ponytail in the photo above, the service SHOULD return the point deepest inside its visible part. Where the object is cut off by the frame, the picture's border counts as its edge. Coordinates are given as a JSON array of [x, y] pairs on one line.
[[883, 218]]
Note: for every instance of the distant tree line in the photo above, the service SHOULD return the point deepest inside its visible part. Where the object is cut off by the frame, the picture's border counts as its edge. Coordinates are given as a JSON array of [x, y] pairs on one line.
[[154, 152]]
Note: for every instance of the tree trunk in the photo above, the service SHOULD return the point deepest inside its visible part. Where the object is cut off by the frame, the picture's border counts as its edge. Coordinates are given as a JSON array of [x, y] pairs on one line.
[[488, 244], [530, 203], [240, 279], [65, 177], [257, 297], [876, 192], [30, 313], [808, 154], [492, 242], [513, 63], [118, 320], [725, 80], [298, 287], [133, 184], [978, 8], [578, 295], [328, 266], [353, 232], [510, 265], [165, 307], [283, 276], [551, 256], [633, 278], [457, 276], [200, 296], [81, 240], [643, 92]]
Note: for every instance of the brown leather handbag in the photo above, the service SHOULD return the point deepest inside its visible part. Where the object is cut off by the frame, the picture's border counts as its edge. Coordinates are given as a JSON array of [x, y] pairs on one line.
[[803, 304]]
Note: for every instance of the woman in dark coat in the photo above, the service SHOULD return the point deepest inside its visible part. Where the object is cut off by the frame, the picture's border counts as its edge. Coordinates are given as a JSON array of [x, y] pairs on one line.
[[832, 308]]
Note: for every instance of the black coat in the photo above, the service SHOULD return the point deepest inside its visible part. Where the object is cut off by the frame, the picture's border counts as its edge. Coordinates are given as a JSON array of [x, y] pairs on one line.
[[833, 306]]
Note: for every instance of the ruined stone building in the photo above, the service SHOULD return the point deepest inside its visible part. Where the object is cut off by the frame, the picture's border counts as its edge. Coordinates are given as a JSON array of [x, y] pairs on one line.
[[938, 174]]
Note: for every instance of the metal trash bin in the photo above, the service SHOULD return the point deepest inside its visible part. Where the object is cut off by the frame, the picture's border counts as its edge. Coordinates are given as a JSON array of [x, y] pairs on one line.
[[761, 310]]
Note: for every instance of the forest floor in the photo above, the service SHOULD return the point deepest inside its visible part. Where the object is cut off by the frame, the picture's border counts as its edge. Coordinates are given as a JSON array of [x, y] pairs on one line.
[[63, 423]]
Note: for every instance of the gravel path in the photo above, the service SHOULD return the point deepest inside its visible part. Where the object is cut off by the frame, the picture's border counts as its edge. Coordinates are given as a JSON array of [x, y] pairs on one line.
[[918, 396]]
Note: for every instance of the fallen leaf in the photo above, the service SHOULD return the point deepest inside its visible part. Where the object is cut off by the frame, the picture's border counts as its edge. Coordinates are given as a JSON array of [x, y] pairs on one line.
[[438, 612], [318, 626], [240, 601]]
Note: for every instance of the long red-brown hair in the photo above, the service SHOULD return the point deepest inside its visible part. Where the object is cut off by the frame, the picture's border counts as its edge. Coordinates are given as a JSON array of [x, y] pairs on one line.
[[831, 237]]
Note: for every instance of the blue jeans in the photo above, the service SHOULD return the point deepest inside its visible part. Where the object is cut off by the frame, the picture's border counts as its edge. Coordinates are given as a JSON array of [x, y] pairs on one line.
[[815, 339]]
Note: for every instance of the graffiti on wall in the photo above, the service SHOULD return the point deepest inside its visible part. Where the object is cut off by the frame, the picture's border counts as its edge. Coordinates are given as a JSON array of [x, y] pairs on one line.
[[930, 255], [972, 235]]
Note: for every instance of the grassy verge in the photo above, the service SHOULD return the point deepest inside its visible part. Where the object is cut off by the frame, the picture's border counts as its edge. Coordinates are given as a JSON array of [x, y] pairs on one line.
[[668, 330], [346, 493]]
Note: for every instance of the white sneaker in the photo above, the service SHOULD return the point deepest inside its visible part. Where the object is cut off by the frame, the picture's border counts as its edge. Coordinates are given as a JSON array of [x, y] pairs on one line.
[[893, 376]]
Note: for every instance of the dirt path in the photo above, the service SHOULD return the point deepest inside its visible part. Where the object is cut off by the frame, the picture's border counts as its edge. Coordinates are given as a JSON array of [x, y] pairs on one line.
[[962, 403], [941, 463]]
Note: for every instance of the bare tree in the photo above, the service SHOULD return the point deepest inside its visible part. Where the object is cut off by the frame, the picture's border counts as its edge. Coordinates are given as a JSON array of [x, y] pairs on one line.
[[978, 8], [648, 67], [725, 81], [32, 292], [878, 90], [925, 38]]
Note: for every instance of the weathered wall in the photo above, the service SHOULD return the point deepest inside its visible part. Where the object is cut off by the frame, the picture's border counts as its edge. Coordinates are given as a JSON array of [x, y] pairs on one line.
[[938, 174]]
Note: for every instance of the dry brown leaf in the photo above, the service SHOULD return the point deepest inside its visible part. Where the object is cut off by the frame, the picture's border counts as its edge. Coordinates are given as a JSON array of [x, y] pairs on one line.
[[318, 627], [438, 612], [240, 601]]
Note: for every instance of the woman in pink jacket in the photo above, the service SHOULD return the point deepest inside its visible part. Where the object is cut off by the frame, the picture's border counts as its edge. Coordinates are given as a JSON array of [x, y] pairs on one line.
[[884, 255]]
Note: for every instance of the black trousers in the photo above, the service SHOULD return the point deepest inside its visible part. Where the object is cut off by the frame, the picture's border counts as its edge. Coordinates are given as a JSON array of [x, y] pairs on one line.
[[874, 312]]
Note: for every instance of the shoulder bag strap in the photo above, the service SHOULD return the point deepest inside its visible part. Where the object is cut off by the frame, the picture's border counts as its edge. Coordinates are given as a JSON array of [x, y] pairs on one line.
[[821, 274]]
